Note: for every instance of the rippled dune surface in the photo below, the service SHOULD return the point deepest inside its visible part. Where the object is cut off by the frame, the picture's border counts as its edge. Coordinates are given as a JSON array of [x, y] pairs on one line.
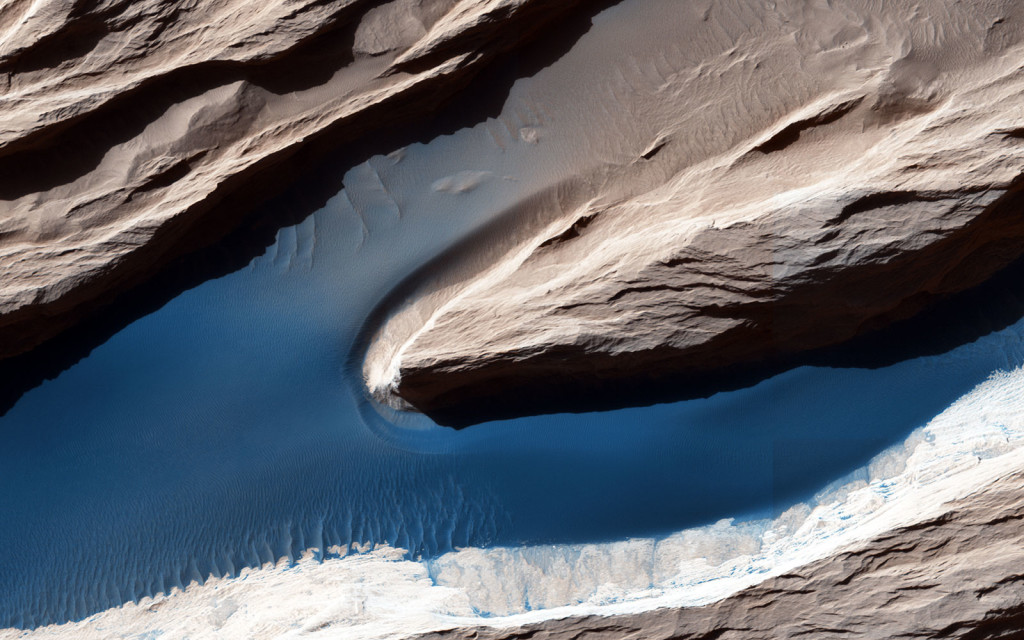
[[242, 462]]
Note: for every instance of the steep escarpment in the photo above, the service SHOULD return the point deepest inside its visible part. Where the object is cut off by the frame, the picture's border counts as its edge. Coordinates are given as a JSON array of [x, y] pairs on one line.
[[132, 133], [955, 575], [811, 171]]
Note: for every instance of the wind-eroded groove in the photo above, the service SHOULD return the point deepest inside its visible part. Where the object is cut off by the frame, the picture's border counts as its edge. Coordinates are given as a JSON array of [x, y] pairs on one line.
[[573, 231], [877, 201], [790, 134]]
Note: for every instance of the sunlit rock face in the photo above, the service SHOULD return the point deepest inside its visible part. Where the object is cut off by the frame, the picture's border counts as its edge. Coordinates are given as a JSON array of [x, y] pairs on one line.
[[764, 178], [134, 132]]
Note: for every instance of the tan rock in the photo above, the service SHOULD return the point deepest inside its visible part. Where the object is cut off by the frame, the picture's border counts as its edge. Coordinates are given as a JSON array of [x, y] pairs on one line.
[[815, 169], [134, 132]]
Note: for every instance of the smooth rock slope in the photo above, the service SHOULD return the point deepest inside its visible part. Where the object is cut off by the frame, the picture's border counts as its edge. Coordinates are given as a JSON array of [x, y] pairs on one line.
[[768, 178]]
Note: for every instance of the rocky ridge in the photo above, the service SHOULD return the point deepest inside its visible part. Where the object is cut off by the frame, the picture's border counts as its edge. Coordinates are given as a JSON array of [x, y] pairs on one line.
[[132, 133], [810, 172]]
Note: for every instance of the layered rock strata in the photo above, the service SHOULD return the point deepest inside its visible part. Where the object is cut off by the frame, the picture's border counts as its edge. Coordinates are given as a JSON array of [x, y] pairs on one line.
[[134, 132], [810, 171]]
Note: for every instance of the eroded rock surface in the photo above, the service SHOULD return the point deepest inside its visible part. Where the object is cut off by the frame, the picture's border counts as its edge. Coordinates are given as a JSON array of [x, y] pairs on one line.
[[784, 176], [134, 132]]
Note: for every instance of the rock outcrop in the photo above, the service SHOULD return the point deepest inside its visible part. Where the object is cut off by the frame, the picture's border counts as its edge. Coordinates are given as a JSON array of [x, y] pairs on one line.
[[956, 575], [818, 170], [132, 133]]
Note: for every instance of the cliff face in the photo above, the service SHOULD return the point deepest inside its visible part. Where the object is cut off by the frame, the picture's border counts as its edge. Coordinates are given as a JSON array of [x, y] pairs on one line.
[[956, 575], [134, 132], [810, 171]]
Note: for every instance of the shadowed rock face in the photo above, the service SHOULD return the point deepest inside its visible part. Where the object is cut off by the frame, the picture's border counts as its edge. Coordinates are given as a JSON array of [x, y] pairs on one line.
[[132, 133], [953, 576], [812, 171]]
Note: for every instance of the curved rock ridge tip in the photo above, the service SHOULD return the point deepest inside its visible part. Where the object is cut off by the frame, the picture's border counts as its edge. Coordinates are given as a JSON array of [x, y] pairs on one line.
[[134, 133], [753, 180]]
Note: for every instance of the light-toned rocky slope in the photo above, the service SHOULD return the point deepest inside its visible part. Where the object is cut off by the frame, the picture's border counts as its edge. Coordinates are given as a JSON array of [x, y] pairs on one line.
[[134, 132], [957, 575], [785, 175]]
